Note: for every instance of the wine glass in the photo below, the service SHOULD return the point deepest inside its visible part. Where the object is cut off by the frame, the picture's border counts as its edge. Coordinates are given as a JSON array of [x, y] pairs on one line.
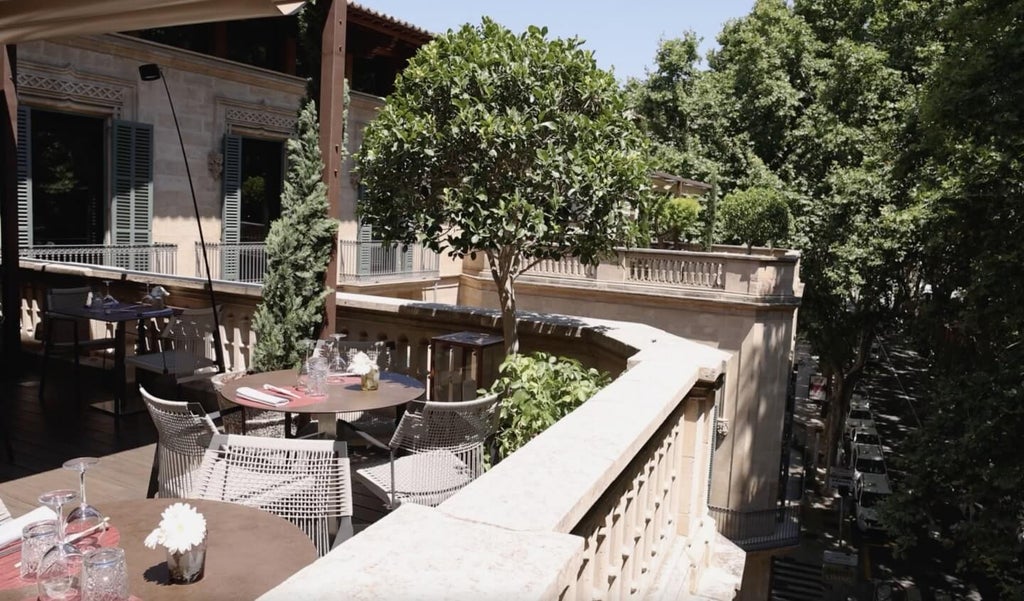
[[84, 516], [107, 299], [339, 361], [60, 569]]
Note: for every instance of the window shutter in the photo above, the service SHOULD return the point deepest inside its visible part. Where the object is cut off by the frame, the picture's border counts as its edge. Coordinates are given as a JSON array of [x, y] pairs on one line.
[[231, 222], [133, 192], [406, 266], [24, 176], [365, 245]]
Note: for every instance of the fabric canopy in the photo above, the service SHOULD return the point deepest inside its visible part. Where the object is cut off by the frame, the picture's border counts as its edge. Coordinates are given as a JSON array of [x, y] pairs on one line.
[[24, 20]]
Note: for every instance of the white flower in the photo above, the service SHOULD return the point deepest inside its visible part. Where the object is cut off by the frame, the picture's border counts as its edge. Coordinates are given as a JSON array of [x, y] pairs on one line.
[[361, 364], [181, 528]]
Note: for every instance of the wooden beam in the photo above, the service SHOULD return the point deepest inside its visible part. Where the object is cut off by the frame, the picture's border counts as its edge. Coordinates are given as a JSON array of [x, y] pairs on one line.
[[332, 132], [9, 268]]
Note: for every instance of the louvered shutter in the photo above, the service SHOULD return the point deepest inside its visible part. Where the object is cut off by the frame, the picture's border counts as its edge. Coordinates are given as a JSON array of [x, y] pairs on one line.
[[406, 266], [365, 246], [132, 180], [231, 222], [24, 177]]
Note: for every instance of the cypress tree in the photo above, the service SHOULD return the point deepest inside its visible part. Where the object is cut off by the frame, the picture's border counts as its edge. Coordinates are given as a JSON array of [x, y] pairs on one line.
[[298, 250]]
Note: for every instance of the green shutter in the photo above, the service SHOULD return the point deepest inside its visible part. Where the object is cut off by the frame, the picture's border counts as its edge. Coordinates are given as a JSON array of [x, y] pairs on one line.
[[406, 258], [24, 176], [231, 221], [132, 180], [365, 246]]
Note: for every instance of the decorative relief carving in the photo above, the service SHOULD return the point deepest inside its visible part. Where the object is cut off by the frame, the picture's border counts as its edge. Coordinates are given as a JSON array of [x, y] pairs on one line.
[[215, 163], [261, 119], [72, 90]]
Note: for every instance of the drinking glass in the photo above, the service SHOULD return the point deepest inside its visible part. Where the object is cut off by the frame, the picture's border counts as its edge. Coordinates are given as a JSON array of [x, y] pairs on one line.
[[106, 575], [107, 299], [60, 568], [84, 516], [36, 539], [318, 370]]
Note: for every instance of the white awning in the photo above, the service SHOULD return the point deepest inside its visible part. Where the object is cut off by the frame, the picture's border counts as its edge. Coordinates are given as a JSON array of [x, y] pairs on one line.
[[23, 20]]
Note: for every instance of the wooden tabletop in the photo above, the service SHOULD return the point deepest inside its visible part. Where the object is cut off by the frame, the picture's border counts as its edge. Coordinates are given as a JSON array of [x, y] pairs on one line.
[[248, 552], [348, 395]]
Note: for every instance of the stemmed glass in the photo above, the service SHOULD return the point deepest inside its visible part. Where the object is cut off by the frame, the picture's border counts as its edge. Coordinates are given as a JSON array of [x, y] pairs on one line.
[[61, 566], [84, 516], [339, 362], [107, 299]]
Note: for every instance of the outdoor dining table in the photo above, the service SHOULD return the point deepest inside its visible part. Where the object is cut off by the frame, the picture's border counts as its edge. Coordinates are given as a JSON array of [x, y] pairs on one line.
[[248, 552], [119, 314], [344, 394]]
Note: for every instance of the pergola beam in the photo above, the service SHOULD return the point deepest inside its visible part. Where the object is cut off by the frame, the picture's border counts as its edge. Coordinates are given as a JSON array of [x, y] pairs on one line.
[[332, 132], [10, 280]]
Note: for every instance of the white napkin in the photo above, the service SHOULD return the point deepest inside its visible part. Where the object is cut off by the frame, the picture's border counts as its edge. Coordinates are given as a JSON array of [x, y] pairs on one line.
[[11, 531], [259, 396]]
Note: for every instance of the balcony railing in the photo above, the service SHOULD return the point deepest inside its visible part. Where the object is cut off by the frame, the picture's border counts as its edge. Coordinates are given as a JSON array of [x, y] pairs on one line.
[[242, 262], [155, 258], [596, 507], [376, 261], [757, 530]]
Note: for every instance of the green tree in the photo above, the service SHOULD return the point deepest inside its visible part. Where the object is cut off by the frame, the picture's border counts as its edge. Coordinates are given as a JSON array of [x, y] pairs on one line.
[[755, 217], [515, 146], [675, 220], [299, 247]]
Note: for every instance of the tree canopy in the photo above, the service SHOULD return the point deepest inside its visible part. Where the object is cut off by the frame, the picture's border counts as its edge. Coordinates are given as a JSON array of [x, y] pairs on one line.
[[515, 146]]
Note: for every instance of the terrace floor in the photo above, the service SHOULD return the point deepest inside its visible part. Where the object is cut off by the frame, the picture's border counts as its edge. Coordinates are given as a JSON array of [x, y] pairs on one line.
[[42, 436]]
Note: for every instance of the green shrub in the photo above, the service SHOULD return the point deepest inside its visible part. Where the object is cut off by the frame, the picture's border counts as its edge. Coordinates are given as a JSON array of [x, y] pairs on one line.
[[677, 219], [755, 217], [538, 390]]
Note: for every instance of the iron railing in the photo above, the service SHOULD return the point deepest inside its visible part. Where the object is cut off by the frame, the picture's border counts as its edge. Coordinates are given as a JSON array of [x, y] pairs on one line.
[[757, 530], [154, 258], [377, 261], [242, 262]]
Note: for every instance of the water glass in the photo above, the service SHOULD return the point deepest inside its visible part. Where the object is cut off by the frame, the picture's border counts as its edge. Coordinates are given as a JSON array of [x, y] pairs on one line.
[[318, 371], [106, 575], [36, 539]]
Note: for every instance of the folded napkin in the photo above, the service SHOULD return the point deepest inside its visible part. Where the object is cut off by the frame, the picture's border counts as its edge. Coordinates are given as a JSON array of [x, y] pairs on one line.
[[251, 394], [11, 531]]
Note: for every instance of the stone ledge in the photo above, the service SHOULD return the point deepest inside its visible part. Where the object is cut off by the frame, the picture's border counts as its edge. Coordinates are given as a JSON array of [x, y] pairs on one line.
[[390, 560]]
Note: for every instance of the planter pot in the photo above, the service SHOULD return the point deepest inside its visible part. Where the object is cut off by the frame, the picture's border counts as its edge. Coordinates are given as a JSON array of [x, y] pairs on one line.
[[371, 380]]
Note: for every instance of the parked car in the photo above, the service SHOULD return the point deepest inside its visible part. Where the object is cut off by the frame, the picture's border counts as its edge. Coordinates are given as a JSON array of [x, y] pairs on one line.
[[859, 417], [867, 459], [871, 489], [866, 434]]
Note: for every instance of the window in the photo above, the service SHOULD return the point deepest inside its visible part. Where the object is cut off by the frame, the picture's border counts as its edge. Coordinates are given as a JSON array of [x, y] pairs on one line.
[[253, 180], [67, 179]]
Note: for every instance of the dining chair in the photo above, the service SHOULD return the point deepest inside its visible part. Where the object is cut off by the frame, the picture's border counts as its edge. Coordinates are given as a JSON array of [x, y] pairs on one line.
[[5, 514], [66, 333], [434, 452], [306, 482], [183, 433], [186, 352], [237, 419]]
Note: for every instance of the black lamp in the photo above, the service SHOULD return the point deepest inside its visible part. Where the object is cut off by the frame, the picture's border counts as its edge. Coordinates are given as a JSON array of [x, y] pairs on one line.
[[151, 72]]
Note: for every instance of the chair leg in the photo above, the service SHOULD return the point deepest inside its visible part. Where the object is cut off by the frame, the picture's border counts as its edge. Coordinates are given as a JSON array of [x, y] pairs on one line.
[[46, 360], [154, 474], [78, 367]]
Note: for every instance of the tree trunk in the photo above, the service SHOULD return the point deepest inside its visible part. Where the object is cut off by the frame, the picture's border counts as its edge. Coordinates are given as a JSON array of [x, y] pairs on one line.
[[501, 272], [843, 385]]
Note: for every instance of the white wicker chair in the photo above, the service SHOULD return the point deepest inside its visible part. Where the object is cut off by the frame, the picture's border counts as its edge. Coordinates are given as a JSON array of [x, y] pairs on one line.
[[184, 431], [434, 452], [5, 515], [306, 482], [248, 421], [189, 354]]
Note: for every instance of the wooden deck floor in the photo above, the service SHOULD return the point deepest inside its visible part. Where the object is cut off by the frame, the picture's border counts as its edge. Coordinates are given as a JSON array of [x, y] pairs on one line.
[[44, 435]]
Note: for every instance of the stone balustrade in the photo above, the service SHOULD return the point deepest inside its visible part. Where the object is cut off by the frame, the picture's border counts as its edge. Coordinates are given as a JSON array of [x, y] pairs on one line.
[[608, 503]]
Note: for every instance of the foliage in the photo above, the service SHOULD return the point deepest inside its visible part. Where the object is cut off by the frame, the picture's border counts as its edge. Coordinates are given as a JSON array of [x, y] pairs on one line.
[[299, 247], [675, 219], [536, 391], [755, 217], [515, 146]]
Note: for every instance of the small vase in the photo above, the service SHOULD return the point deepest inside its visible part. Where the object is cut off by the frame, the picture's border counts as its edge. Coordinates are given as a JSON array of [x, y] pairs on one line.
[[370, 380], [188, 566]]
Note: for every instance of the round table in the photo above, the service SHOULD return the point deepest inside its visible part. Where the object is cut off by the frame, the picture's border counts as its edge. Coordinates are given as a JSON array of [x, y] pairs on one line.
[[248, 551], [395, 390]]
